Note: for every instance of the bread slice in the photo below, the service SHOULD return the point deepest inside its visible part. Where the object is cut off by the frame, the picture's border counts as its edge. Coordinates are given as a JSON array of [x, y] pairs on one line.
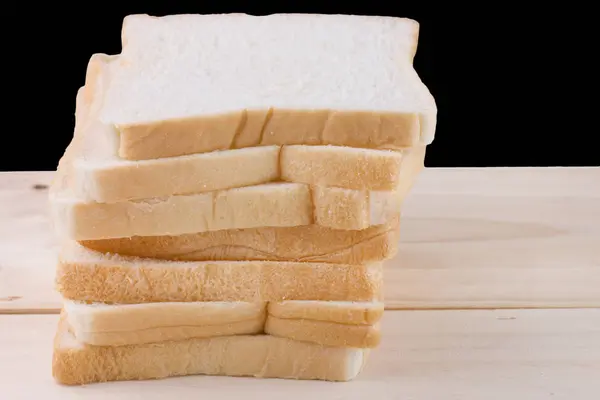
[[91, 170], [87, 275], [268, 205], [308, 243], [186, 84], [102, 324], [116, 325], [261, 356]]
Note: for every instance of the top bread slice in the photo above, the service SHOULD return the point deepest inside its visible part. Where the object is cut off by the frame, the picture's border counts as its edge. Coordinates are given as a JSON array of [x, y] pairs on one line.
[[187, 84]]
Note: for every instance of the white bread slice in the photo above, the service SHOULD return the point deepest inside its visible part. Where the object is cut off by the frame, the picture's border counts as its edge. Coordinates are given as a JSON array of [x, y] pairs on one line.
[[309, 243], [116, 325], [87, 275], [261, 356], [98, 174], [187, 84], [268, 205], [342, 167], [103, 324]]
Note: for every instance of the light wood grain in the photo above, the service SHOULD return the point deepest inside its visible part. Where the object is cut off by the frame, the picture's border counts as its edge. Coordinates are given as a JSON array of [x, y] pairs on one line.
[[462, 355], [27, 244], [471, 238]]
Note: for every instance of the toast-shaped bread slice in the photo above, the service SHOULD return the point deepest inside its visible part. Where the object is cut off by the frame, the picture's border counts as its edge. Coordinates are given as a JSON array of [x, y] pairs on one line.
[[87, 275], [102, 324], [91, 171], [308, 243], [260, 356], [186, 84], [318, 322], [268, 205]]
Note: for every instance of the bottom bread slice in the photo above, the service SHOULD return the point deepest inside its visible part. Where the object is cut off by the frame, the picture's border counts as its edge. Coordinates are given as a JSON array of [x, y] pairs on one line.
[[261, 356]]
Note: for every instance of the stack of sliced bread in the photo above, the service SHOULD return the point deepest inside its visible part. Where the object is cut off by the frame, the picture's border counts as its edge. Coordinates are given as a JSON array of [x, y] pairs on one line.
[[232, 189]]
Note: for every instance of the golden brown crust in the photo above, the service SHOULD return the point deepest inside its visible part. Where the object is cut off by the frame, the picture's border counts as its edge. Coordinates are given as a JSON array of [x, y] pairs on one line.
[[261, 356], [349, 313], [86, 275], [349, 324], [168, 333], [252, 128], [308, 243], [324, 332]]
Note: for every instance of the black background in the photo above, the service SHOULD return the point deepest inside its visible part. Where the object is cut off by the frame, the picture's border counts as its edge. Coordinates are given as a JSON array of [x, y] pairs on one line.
[[496, 72]]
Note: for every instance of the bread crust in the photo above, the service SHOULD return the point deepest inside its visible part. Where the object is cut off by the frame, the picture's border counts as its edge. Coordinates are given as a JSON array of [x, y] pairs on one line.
[[309, 243], [347, 312], [325, 332], [260, 356], [87, 275], [260, 126], [267, 127], [340, 324]]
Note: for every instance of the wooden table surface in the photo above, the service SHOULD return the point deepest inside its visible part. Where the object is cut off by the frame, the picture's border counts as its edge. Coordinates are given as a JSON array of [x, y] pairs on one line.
[[495, 294]]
